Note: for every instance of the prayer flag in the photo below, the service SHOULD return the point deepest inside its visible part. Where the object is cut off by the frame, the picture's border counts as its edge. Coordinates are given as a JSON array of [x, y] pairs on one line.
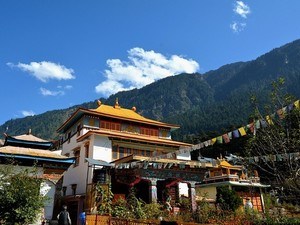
[[242, 131], [263, 123], [257, 124], [251, 127], [235, 133], [226, 138], [213, 141], [297, 104], [229, 135], [219, 140], [290, 107], [269, 120]]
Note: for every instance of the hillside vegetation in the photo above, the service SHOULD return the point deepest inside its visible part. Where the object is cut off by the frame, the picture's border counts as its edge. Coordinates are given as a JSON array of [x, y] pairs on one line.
[[199, 103]]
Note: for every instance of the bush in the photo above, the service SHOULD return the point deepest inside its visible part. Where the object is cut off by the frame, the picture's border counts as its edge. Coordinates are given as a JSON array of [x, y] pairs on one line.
[[227, 199], [20, 197]]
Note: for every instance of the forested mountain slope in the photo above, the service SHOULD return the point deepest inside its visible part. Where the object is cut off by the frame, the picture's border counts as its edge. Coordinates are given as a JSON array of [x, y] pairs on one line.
[[214, 101]]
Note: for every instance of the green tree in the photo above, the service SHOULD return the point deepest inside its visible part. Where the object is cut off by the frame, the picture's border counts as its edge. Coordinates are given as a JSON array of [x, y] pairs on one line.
[[104, 197], [228, 199], [20, 196], [276, 144]]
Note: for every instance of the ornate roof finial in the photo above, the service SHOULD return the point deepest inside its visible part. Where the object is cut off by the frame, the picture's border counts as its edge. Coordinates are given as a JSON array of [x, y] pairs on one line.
[[99, 102], [133, 108], [117, 106], [29, 131]]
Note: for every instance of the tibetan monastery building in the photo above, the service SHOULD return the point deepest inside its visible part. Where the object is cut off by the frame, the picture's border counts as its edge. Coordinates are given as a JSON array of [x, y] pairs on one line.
[[114, 144]]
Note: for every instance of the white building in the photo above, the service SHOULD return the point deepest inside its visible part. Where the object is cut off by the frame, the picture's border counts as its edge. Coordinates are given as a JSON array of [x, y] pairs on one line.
[[112, 134]]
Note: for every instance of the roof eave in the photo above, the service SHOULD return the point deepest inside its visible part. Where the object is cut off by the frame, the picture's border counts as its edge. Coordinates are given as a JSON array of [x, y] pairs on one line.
[[89, 133], [38, 158]]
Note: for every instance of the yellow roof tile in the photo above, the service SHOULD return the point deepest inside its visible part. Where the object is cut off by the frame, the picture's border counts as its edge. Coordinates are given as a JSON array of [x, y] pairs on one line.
[[225, 163], [119, 112]]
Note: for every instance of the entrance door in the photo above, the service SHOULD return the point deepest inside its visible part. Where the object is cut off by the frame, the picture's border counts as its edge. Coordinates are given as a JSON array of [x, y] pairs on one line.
[[73, 210]]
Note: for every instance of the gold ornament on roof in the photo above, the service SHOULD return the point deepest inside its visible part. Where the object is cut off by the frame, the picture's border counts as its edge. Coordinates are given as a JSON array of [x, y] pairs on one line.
[[99, 102], [117, 106], [133, 108]]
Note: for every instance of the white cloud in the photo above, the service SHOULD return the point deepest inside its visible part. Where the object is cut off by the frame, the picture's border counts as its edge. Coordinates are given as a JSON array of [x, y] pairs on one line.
[[241, 9], [237, 27], [27, 113], [142, 68], [45, 71], [47, 92], [67, 87]]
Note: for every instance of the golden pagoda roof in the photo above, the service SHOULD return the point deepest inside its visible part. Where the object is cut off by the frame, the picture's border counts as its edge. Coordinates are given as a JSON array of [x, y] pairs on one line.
[[130, 114], [116, 112], [224, 163]]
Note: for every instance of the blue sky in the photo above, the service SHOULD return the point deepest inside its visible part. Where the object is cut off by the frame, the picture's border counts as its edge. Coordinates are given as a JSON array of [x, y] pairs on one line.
[[56, 54]]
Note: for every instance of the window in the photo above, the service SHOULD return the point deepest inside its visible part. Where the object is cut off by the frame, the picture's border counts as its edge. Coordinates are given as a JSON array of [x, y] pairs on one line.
[[77, 157], [69, 137], [64, 190], [91, 122], [86, 150], [74, 186], [110, 125], [78, 129], [153, 132], [115, 152], [105, 125], [148, 131], [115, 126], [120, 152]]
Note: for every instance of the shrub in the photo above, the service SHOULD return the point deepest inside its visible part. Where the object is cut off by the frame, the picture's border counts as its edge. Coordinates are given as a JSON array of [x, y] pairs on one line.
[[228, 199]]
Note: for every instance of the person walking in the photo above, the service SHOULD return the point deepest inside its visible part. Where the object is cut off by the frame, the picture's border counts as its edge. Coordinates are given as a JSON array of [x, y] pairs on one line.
[[64, 217]]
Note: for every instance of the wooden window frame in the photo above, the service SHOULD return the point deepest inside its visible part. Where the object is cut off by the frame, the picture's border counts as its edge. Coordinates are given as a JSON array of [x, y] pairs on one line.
[[77, 156]]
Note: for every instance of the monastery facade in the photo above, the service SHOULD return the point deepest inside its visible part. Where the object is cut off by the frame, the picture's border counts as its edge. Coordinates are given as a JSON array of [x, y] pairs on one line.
[[129, 145]]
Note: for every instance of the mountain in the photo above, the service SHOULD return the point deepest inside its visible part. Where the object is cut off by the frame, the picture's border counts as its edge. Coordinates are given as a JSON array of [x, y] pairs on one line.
[[215, 101]]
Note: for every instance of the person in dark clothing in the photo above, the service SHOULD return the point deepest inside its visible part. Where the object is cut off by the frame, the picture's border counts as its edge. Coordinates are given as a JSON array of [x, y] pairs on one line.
[[64, 217]]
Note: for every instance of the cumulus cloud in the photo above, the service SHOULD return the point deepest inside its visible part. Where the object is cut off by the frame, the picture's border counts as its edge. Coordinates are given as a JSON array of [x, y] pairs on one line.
[[45, 71], [142, 68], [47, 92], [27, 113], [237, 27], [241, 9]]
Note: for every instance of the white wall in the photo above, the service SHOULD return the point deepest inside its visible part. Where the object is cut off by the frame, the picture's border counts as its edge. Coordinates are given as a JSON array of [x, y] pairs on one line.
[[102, 148], [99, 148]]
